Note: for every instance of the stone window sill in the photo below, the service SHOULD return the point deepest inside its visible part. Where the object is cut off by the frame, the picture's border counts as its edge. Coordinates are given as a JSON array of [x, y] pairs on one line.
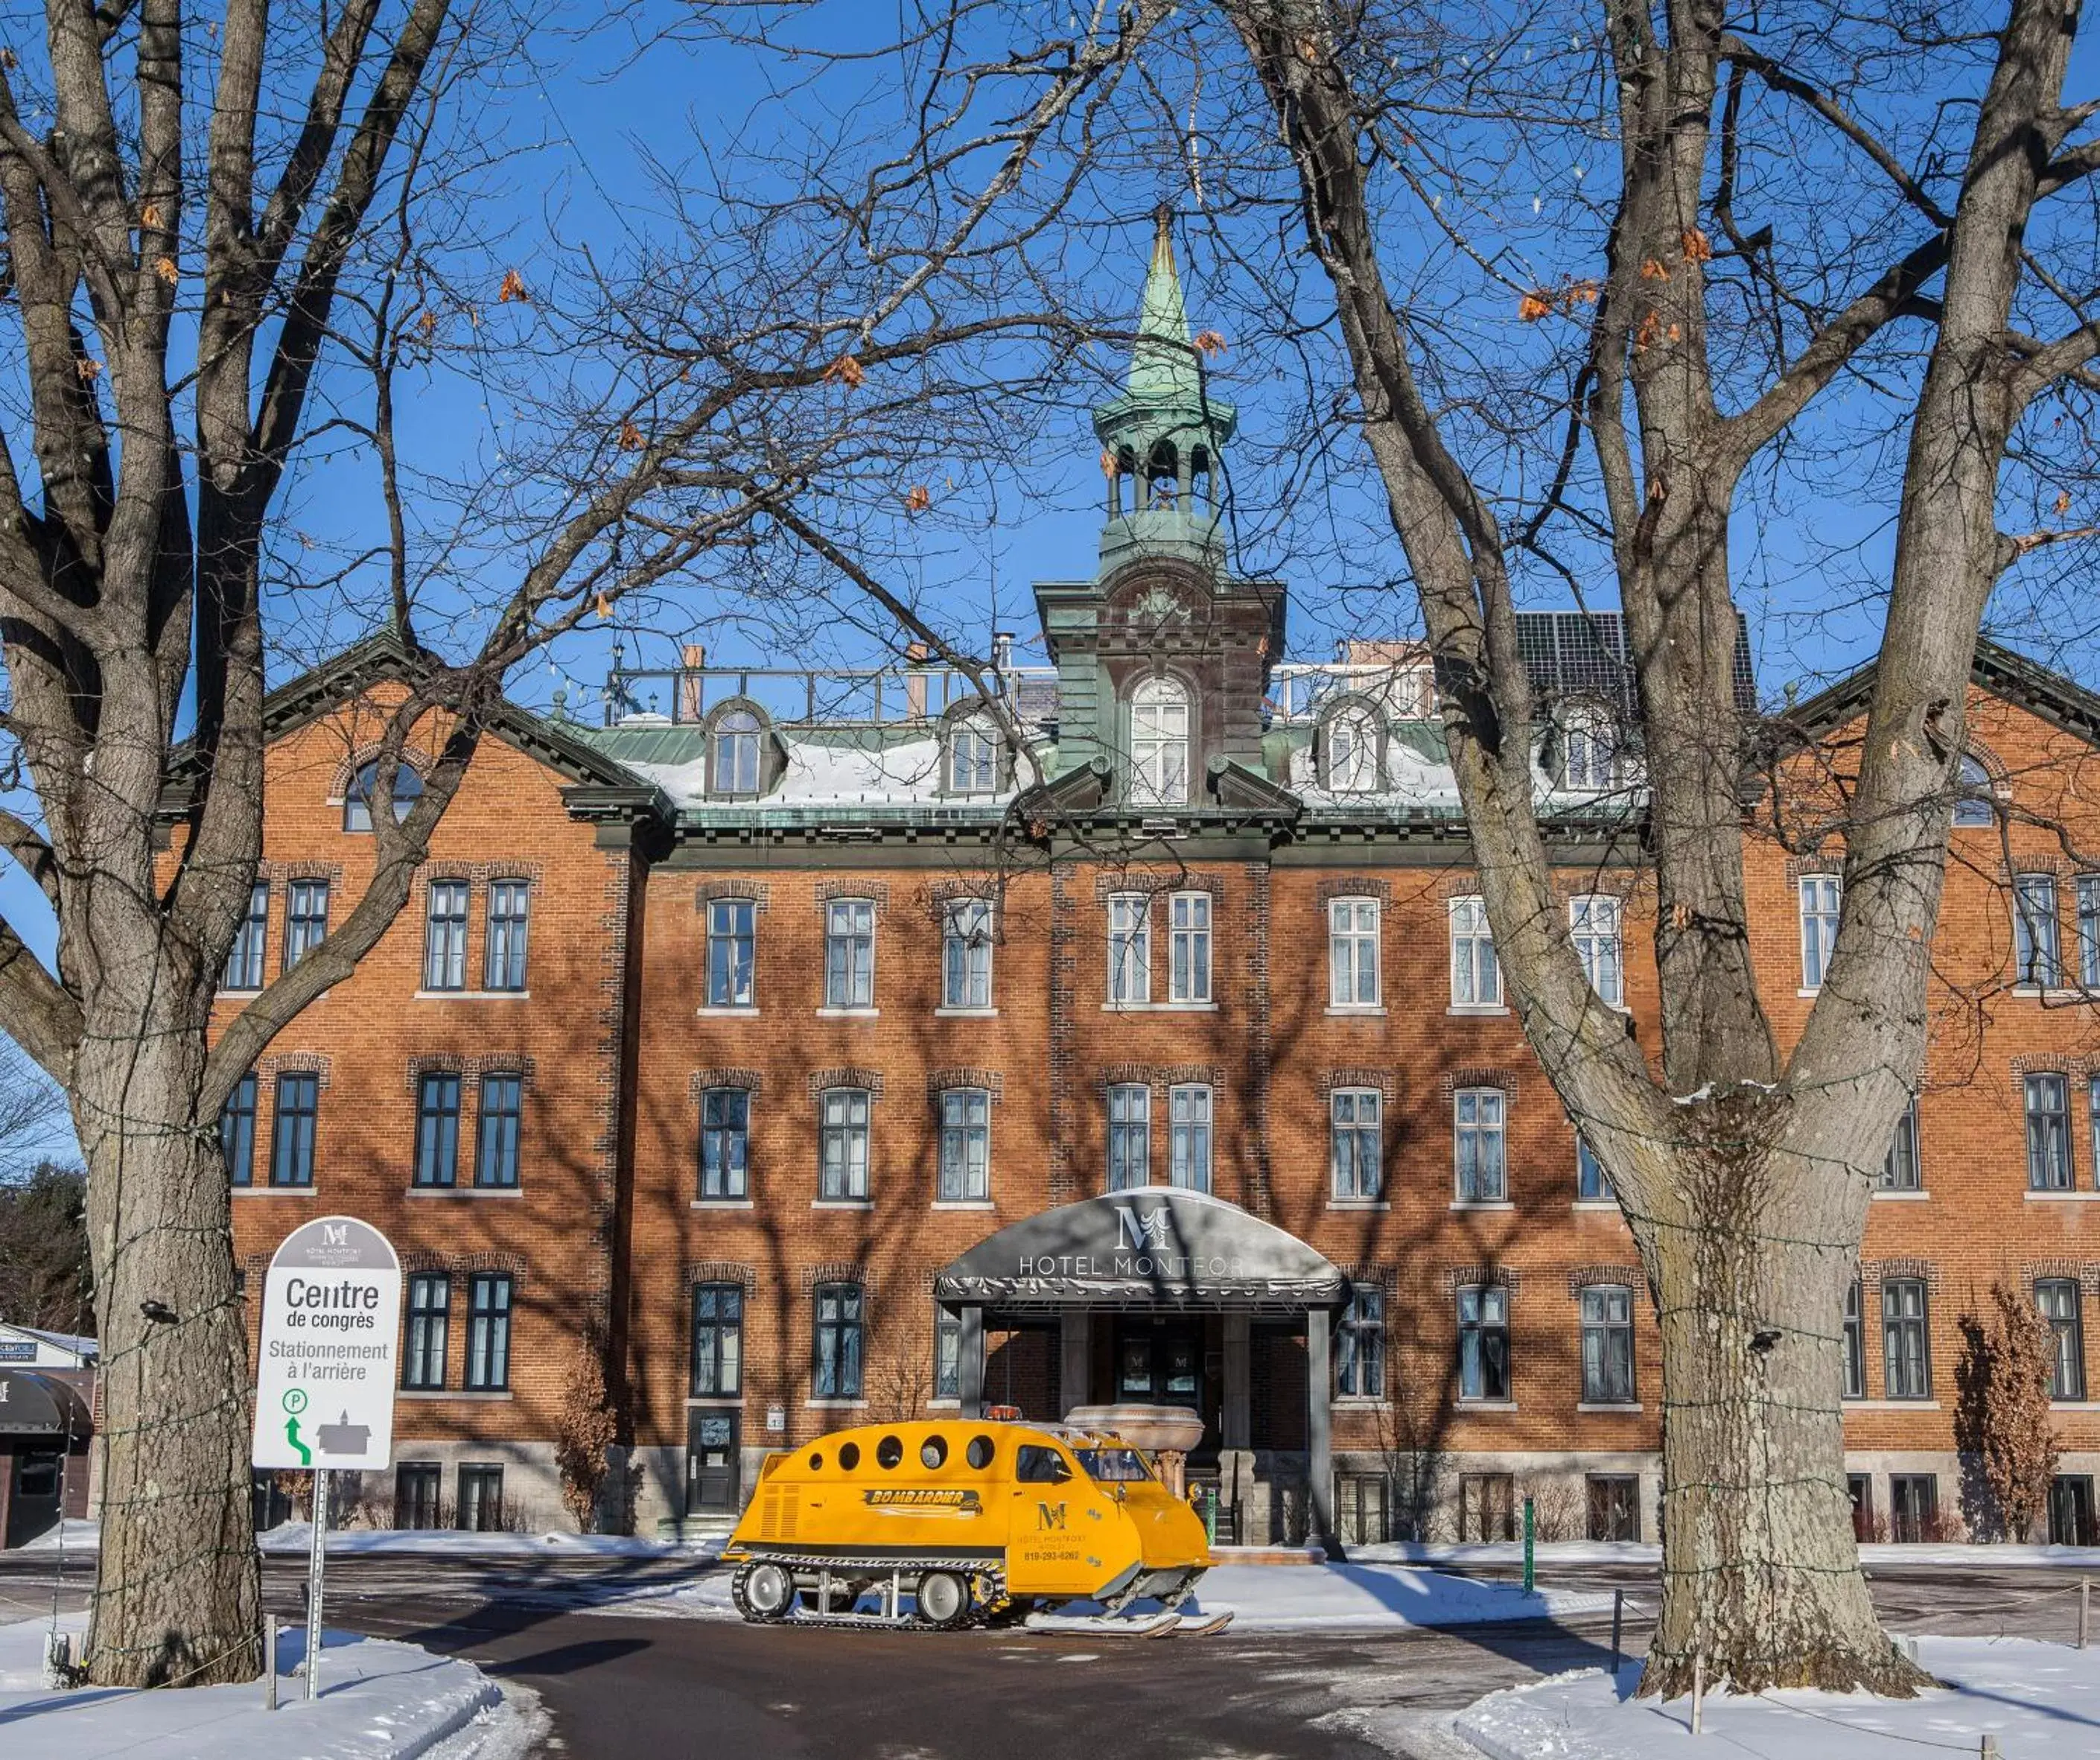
[[2054, 993], [2075, 1405], [273, 1191], [837, 1405], [945, 1013], [472, 995], [1891, 1405], [491, 1396], [1159, 1007], [1624, 1407], [964, 1203], [1510, 1405], [842, 1203], [1905, 1196], [1810, 989], [1363, 1010], [829, 1013], [1358, 1203], [1360, 1402], [1482, 1008], [944, 1405], [2063, 1198], [1482, 1203], [715, 1399], [720, 1203], [746, 1009], [1597, 1206]]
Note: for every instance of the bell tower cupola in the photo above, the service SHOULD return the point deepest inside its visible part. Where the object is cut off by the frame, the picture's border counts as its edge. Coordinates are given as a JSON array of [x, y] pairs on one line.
[[1160, 436]]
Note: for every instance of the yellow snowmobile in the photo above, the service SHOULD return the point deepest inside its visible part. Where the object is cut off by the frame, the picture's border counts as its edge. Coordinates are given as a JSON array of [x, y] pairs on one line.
[[956, 1522]]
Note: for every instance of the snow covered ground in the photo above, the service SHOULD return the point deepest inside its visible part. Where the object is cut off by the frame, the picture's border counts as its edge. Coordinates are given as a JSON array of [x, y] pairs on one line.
[[1563, 1553], [379, 1702], [298, 1537], [2037, 1699], [1263, 1597]]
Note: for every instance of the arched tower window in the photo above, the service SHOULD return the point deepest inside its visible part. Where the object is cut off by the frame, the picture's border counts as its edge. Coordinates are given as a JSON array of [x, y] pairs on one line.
[[357, 803], [1352, 752], [735, 740], [1159, 743], [1976, 805]]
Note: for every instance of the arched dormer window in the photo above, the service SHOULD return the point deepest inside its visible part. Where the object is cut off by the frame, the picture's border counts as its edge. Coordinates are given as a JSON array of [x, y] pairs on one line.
[[733, 755], [1977, 805], [1159, 743], [972, 756], [1589, 748], [357, 800], [1350, 762]]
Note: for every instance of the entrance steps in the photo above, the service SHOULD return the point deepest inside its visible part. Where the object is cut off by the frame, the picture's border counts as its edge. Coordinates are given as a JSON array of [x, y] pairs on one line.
[[688, 1528], [1268, 1555]]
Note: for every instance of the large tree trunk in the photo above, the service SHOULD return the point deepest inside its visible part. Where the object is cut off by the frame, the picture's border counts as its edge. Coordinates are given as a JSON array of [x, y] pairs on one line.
[[1756, 1524], [178, 1594]]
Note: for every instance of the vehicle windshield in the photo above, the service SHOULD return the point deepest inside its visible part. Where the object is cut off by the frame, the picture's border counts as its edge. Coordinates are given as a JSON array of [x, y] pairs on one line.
[[1110, 1467]]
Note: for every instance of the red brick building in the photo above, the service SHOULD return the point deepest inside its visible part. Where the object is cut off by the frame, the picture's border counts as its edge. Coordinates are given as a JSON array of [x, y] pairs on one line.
[[821, 1048]]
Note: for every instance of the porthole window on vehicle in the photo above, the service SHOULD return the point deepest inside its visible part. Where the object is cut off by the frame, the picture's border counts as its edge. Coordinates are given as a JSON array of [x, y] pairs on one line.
[[978, 1453], [816, 1460], [933, 1451], [888, 1452], [849, 1456]]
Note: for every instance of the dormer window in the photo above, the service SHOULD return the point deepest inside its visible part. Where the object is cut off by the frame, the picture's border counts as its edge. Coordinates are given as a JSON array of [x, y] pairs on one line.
[[1588, 748], [357, 803], [1352, 752], [972, 759], [735, 755], [1977, 805], [1159, 743]]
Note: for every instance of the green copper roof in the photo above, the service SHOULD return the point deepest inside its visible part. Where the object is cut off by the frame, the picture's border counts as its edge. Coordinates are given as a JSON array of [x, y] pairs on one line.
[[1163, 394]]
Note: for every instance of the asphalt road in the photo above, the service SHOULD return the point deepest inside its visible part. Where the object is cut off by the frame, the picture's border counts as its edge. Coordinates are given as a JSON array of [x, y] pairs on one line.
[[619, 1684]]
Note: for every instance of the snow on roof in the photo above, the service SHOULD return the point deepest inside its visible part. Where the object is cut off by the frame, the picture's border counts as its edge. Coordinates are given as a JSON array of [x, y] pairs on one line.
[[58, 1341]]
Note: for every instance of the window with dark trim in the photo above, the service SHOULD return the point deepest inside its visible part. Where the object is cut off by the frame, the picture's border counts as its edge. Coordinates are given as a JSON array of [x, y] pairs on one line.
[[509, 929], [965, 1144], [2049, 1134], [731, 938], [1899, 1171], [357, 800], [496, 1129], [1614, 1501], [488, 1333], [418, 1487], [481, 1498], [724, 1143], [437, 1128], [243, 961], [1592, 1185], [1906, 1340], [292, 1129], [2058, 1299], [1359, 1345], [1483, 1363], [444, 936], [835, 1351], [1608, 1345], [2038, 959], [236, 1132], [948, 1353], [717, 1340], [1130, 1136], [429, 1326], [305, 919], [1856, 1342]]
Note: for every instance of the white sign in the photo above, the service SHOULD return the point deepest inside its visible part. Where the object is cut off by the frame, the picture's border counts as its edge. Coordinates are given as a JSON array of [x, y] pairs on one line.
[[326, 1367]]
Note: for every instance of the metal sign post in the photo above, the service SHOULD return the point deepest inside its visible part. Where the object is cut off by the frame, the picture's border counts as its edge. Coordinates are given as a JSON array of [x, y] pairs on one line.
[[331, 1334]]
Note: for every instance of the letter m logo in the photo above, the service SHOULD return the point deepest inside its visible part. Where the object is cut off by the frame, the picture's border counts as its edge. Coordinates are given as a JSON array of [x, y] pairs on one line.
[[1047, 1516], [1140, 1232], [336, 1234]]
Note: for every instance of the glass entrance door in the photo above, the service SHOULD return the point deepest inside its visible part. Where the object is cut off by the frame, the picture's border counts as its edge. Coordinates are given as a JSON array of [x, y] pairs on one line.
[[713, 1472], [1161, 1362]]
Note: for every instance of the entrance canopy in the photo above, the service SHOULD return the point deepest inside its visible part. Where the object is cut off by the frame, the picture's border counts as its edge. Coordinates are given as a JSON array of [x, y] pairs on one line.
[[1157, 1245], [41, 1406]]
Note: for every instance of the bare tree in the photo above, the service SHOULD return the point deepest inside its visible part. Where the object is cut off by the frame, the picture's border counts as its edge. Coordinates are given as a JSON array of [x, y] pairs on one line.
[[1744, 1174], [250, 190]]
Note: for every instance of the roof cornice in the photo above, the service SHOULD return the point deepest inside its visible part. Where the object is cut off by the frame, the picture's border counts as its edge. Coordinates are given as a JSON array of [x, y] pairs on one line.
[[2061, 701]]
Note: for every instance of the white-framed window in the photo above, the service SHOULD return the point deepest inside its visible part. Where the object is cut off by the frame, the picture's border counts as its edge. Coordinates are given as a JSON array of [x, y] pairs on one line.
[[1352, 752], [1130, 948], [732, 937], [1608, 1345], [1476, 1130], [849, 954], [1821, 896], [1588, 748], [1978, 803], [444, 936], [1354, 1116], [1130, 1136], [965, 1144], [1592, 923], [1159, 743], [966, 953], [357, 800], [842, 1143], [1188, 946], [1352, 953], [1188, 1115], [1476, 980], [2089, 930], [972, 759], [1483, 1363], [2037, 953], [736, 737]]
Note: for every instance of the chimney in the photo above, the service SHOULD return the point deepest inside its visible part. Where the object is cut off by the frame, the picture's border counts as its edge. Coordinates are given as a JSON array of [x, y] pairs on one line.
[[691, 658], [1002, 650], [916, 654]]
